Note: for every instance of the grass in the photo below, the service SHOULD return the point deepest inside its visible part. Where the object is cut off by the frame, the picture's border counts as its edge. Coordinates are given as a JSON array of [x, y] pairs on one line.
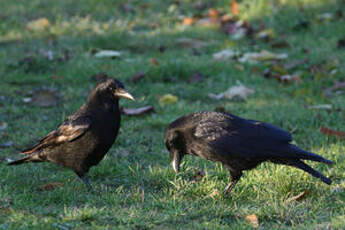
[[135, 187]]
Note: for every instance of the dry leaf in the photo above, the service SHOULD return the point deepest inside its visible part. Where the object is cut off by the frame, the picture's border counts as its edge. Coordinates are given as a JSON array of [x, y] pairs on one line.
[[50, 186], [286, 79], [330, 132], [234, 8], [137, 76], [154, 62], [168, 99], [298, 197], [47, 54], [44, 97], [191, 43], [241, 92], [224, 54], [107, 54], [253, 220], [138, 111], [188, 21], [214, 193], [38, 24], [264, 55], [213, 13], [196, 77]]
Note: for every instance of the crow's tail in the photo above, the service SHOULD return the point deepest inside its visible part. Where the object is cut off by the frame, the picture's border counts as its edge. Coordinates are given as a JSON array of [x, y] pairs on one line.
[[305, 155], [301, 165]]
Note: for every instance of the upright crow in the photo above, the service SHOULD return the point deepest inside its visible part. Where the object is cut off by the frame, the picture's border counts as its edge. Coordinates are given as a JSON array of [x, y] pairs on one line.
[[83, 139], [237, 143]]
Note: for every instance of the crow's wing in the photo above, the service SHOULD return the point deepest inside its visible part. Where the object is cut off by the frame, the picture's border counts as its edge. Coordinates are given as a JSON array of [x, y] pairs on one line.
[[231, 135], [71, 129]]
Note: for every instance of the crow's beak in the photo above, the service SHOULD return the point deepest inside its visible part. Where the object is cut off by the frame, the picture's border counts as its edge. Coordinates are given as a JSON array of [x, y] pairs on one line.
[[123, 93], [175, 159]]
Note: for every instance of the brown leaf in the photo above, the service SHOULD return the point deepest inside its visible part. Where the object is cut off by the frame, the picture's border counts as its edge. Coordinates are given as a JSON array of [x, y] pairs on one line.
[[138, 111], [287, 79], [137, 76], [196, 77], [44, 97], [253, 220], [191, 43], [330, 132], [298, 197], [213, 13], [295, 63], [50, 186], [188, 21], [154, 62], [234, 8], [100, 77], [214, 193]]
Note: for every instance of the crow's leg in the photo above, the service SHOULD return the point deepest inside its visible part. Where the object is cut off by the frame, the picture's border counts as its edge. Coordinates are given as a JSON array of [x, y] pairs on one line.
[[235, 177]]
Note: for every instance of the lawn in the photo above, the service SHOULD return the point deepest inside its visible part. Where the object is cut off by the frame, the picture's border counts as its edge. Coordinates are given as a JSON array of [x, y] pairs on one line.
[[48, 67]]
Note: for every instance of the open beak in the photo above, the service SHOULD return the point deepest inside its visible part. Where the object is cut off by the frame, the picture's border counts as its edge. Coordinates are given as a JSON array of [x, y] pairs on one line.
[[123, 93], [175, 159]]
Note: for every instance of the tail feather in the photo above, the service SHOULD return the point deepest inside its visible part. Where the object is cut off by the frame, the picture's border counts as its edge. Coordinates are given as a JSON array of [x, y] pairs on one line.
[[301, 165], [305, 155]]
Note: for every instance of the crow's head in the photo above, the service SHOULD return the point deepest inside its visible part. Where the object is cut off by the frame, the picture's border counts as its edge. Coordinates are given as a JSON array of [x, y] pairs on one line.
[[174, 142], [111, 89]]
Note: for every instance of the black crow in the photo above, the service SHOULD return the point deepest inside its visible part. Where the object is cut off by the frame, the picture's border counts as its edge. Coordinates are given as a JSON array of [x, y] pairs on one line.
[[237, 143], [83, 139]]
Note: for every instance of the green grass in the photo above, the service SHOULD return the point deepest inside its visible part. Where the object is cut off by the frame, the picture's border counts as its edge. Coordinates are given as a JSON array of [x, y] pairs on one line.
[[135, 187]]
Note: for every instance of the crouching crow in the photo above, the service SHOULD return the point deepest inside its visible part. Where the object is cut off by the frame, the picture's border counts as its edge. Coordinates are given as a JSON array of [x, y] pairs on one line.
[[237, 143], [83, 139]]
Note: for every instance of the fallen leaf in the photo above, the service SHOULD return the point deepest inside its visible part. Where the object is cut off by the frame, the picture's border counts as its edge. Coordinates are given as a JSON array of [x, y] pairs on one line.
[[191, 43], [234, 8], [295, 63], [38, 24], [137, 111], [196, 77], [154, 62], [44, 97], [330, 132], [107, 54], [241, 92], [100, 77], [336, 86], [50, 186], [266, 34], [168, 99], [287, 79], [188, 21], [213, 13], [214, 193], [264, 55], [224, 54], [324, 106], [137, 76], [199, 174], [6, 144], [298, 197], [253, 220]]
